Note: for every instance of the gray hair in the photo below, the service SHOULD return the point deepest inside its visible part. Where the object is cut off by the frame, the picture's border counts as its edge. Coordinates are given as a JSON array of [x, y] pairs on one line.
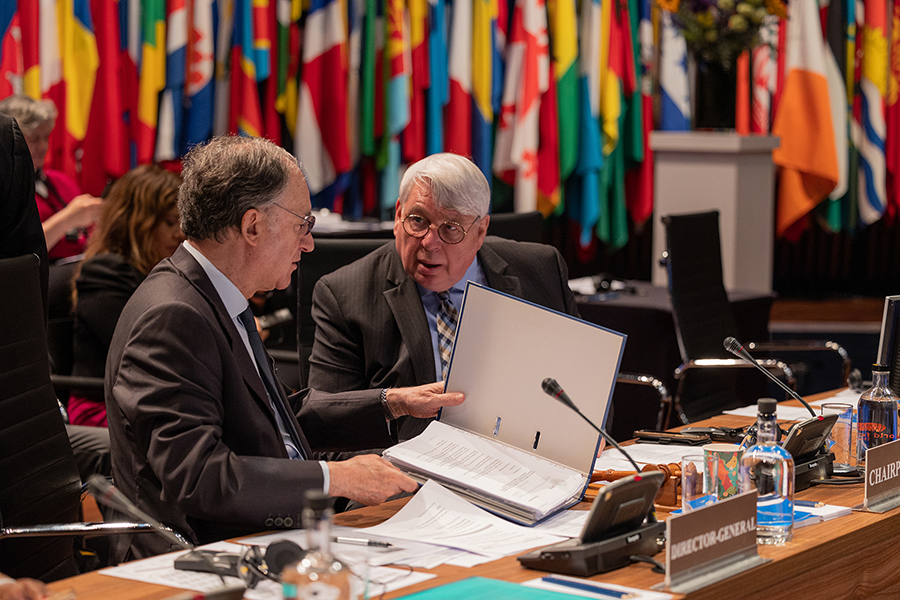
[[226, 177], [453, 182], [30, 113]]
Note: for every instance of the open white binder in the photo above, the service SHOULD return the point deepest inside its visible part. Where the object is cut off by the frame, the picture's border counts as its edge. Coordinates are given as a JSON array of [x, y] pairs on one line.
[[505, 347]]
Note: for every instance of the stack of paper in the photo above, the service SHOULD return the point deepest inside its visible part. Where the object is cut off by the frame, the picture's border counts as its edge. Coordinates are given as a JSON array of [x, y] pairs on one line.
[[503, 479], [810, 515]]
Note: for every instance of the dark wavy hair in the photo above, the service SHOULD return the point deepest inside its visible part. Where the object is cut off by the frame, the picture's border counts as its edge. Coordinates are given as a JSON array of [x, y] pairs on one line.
[[225, 178]]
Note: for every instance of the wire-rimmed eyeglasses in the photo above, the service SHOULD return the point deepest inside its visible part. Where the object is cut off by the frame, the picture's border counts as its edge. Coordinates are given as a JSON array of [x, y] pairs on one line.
[[308, 220], [449, 231]]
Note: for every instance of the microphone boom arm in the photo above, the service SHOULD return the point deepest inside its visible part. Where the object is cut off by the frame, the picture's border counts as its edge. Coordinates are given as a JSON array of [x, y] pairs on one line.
[[735, 347]]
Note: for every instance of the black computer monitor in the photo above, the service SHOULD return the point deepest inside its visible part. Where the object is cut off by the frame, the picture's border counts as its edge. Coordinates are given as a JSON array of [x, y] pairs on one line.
[[889, 341]]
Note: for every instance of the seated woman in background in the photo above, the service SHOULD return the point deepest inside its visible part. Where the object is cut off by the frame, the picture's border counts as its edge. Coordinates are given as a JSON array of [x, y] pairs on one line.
[[65, 212], [138, 228]]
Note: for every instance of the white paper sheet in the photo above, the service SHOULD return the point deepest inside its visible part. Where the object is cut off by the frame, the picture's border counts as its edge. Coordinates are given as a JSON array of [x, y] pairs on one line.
[[402, 552], [644, 454], [845, 396], [568, 523], [439, 516], [784, 413]]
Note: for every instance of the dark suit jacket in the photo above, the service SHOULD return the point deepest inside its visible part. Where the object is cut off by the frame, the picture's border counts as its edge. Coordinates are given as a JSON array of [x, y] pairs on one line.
[[104, 285], [20, 224], [371, 328], [194, 440]]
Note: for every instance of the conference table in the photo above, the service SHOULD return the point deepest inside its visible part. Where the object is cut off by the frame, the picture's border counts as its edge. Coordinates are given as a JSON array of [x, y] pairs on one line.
[[855, 556]]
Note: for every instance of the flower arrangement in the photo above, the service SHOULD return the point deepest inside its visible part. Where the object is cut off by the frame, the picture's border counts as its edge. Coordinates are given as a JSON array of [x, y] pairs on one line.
[[719, 30]]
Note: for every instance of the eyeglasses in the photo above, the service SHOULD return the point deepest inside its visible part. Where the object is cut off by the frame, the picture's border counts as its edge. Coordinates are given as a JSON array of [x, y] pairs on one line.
[[308, 220], [449, 232]]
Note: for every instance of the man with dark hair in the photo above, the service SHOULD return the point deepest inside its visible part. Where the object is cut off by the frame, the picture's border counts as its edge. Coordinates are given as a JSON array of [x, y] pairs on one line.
[[384, 320], [203, 436]]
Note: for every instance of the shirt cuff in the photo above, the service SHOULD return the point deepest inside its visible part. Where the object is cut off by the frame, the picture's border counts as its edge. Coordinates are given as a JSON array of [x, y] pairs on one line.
[[326, 483]]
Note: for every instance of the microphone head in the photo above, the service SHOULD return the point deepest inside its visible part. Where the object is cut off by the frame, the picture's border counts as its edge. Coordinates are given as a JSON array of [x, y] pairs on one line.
[[733, 346], [550, 386]]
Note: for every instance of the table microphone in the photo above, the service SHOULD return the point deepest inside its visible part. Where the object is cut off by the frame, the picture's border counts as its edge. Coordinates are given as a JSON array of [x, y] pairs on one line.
[[636, 482], [108, 494], [552, 388], [736, 348]]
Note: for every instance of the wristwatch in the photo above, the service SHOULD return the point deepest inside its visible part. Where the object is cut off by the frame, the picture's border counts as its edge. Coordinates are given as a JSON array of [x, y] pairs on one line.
[[388, 413]]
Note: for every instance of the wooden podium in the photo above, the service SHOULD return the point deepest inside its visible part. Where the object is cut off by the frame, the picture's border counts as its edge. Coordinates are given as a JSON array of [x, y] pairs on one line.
[[696, 171]]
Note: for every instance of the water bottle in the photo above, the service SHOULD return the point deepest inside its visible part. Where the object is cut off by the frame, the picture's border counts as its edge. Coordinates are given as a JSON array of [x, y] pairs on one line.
[[318, 575], [876, 414], [769, 469]]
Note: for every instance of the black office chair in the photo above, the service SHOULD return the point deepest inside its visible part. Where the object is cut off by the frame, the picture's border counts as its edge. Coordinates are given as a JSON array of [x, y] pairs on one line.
[[60, 346], [329, 255], [703, 319], [521, 227], [40, 489]]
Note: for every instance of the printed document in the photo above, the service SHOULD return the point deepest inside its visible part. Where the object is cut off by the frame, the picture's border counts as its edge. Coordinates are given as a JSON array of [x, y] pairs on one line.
[[498, 477], [438, 516]]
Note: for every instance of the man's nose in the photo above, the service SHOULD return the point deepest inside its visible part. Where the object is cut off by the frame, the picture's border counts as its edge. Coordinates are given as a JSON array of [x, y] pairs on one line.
[[432, 239], [307, 244]]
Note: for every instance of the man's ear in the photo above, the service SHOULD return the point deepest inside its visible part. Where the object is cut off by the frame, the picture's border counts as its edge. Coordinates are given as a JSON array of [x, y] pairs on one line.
[[251, 224], [482, 227], [398, 214]]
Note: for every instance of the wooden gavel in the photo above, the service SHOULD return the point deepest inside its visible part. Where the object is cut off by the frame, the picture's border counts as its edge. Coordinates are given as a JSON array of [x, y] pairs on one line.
[[669, 470], [667, 497]]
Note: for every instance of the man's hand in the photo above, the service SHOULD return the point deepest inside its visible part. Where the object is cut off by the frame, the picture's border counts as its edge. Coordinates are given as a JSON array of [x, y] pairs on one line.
[[602, 446], [22, 589], [422, 401], [368, 479]]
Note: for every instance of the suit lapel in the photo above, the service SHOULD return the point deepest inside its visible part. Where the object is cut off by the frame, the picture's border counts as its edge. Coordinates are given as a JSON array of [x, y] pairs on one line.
[[194, 273], [409, 315]]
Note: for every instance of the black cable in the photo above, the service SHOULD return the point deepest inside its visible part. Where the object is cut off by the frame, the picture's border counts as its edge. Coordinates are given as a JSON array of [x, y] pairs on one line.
[[841, 481], [658, 567]]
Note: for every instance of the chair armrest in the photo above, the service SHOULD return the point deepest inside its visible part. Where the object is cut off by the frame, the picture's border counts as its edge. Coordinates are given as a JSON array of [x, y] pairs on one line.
[[288, 356], [78, 529], [732, 363], [71, 382], [665, 399], [806, 346]]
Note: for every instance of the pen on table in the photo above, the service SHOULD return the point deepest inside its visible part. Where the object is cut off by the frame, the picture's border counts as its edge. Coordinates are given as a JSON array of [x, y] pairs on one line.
[[589, 586], [808, 504], [360, 541]]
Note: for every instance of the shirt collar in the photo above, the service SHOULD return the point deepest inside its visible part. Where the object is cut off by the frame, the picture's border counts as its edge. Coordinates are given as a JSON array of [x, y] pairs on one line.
[[231, 296]]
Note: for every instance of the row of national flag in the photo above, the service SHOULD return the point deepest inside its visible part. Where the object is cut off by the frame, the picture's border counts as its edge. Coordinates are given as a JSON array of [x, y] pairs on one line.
[[838, 115], [825, 81], [552, 99]]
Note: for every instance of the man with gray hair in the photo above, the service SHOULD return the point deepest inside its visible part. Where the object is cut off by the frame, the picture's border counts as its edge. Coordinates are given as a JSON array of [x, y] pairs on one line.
[[389, 318], [203, 436]]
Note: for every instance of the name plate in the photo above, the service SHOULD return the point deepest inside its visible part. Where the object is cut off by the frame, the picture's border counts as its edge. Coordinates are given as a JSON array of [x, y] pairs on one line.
[[711, 544], [882, 477]]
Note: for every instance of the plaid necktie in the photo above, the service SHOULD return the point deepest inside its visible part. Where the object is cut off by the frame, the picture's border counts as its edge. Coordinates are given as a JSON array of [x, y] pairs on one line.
[[285, 424], [447, 316]]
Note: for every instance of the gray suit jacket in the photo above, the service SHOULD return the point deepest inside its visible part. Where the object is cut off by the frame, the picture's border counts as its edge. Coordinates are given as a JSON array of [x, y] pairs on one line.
[[371, 329], [194, 440]]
